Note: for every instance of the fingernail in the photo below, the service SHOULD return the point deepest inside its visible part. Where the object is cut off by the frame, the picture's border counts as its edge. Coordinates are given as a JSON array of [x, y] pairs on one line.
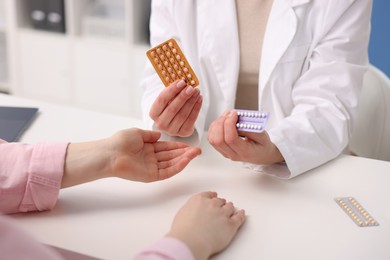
[[197, 92], [181, 84], [189, 90]]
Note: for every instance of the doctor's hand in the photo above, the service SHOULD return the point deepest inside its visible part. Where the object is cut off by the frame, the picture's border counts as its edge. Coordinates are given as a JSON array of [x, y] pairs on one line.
[[176, 109], [131, 154], [255, 148]]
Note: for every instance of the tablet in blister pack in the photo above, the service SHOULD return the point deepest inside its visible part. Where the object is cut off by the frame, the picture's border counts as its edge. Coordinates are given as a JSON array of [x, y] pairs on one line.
[[251, 120], [356, 212], [170, 63]]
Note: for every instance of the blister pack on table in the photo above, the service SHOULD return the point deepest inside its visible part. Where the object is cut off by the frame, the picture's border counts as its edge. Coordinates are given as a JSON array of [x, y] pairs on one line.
[[356, 212]]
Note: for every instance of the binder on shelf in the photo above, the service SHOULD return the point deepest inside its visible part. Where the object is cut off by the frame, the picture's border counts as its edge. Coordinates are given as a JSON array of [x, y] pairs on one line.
[[56, 15], [48, 15], [38, 12]]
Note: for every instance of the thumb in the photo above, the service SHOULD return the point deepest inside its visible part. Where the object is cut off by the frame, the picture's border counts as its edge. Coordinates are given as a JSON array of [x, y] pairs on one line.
[[149, 136]]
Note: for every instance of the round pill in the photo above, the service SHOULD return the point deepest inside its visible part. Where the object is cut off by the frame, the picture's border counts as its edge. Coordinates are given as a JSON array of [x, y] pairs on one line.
[[158, 50], [192, 82], [170, 44], [178, 57], [182, 63], [174, 51], [185, 70], [168, 54], [189, 76], [165, 47]]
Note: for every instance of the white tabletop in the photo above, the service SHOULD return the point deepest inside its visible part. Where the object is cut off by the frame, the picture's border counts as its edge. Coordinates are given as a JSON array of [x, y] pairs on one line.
[[287, 219]]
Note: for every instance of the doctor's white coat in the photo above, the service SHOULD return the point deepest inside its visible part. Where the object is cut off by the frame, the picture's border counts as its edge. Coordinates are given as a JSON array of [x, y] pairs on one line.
[[313, 60]]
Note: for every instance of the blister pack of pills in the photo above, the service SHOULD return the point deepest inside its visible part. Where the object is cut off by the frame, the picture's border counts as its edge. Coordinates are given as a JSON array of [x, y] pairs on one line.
[[356, 212], [251, 120], [170, 63]]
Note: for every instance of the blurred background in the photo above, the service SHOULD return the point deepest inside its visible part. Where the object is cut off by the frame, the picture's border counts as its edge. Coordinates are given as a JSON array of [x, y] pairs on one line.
[[91, 53], [85, 53]]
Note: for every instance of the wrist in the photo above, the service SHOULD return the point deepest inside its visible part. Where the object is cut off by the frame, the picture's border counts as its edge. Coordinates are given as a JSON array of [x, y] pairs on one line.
[[277, 156], [199, 250], [84, 162]]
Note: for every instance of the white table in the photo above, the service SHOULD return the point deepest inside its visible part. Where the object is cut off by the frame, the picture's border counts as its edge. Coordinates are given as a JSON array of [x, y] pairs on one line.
[[293, 219]]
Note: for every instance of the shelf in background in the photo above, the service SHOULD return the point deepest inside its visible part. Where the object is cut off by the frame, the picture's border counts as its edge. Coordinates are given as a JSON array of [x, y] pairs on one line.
[[96, 63]]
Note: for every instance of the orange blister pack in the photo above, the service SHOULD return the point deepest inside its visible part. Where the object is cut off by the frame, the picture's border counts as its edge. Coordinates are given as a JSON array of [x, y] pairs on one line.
[[170, 63]]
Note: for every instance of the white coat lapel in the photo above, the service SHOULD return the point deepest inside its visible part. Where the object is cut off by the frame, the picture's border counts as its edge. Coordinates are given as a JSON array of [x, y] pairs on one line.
[[281, 29], [218, 26]]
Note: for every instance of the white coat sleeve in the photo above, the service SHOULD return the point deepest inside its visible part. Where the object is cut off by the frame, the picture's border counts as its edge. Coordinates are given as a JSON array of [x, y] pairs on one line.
[[325, 97]]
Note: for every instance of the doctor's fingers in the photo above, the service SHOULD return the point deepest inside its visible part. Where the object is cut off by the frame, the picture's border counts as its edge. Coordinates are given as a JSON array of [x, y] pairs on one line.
[[260, 138], [216, 137], [189, 124], [178, 102], [232, 139], [181, 117], [163, 121], [165, 97], [216, 131]]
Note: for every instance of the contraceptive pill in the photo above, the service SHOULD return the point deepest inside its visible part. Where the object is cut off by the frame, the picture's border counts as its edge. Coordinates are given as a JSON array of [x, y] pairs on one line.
[[356, 212], [170, 63], [251, 120]]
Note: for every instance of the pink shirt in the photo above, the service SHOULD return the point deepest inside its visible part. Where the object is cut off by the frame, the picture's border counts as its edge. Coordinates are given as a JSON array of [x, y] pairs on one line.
[[30, 176], [30, 180]]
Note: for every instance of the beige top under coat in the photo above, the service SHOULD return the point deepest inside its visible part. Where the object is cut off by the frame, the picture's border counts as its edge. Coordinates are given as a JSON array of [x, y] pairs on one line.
[[252, 17]]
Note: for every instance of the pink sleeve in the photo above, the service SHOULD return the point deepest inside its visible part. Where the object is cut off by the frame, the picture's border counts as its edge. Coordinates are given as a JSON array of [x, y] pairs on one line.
[[16, 244], [167, 248], [30, 175]]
